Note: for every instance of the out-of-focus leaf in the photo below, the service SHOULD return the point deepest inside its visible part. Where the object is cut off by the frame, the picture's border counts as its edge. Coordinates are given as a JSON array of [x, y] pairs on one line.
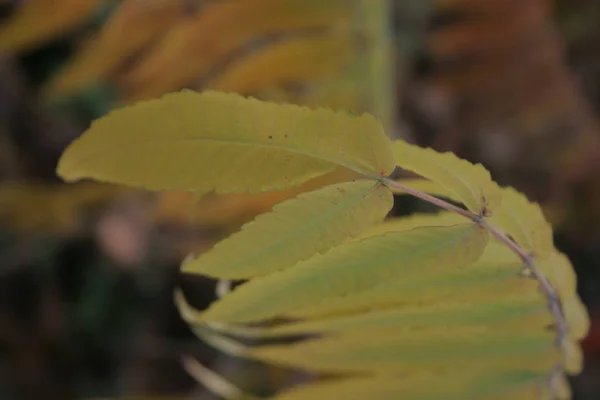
[[134, 24], [287, 61], [34, 206], [39, 21], [189, 50]]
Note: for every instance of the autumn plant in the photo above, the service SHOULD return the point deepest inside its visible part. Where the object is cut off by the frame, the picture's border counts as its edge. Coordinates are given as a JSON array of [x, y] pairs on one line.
[[472, 303]]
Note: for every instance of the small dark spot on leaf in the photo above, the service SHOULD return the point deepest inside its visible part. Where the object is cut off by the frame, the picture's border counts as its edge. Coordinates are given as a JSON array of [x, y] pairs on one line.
[[270, 137]]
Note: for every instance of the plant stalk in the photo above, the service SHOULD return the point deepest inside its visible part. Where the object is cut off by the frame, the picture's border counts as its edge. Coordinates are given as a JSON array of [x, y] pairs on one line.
[[527, 258]]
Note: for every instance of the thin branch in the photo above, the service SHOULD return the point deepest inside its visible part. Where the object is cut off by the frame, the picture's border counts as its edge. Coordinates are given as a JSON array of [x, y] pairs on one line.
[[545, 284], [431, 199], [527, 258]]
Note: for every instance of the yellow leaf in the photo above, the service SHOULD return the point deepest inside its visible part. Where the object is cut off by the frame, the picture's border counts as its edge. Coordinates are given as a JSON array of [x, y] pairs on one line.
[[479, 283], [349, 269], [572, 356], [491, 278], [559, 271], [223, 142], [295, 230], [528, 312], [405, 349], [487, 291], [134, 25], [525, 222], [576, 316], [470, 183], [39, 21], [286, 61], [452, 385]]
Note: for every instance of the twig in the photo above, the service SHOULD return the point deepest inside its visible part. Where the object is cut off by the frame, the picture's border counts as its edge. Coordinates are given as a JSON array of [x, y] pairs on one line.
[[527, 258], [431, 199]]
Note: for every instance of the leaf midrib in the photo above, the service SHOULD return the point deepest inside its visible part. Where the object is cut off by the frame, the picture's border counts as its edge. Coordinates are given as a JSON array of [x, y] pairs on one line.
[[121, 146]]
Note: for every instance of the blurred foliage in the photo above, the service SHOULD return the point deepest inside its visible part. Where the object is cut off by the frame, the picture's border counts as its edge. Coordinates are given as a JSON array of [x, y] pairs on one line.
[[513, 84], [334, 53]]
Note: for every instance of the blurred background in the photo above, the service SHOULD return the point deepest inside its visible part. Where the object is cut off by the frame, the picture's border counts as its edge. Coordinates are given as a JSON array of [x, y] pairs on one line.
[[87, 271]]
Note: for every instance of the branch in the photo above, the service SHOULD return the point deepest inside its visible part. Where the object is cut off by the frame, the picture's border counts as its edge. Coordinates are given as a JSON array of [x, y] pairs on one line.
[[527, 258]]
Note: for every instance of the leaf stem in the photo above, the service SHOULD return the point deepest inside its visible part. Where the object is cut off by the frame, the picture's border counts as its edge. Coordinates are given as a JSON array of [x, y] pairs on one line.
[[545, 284], [527, 258], [431, 199]]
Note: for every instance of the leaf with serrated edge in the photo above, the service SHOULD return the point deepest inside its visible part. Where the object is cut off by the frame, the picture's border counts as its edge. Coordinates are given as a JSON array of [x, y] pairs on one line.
[[348, 269], [405, 349], [475, 287], [295, 230], [525, 222], [576, 316], [572, 356], [457, 384], [530, 313], [471, 183], [226, 143], [559, 271]]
